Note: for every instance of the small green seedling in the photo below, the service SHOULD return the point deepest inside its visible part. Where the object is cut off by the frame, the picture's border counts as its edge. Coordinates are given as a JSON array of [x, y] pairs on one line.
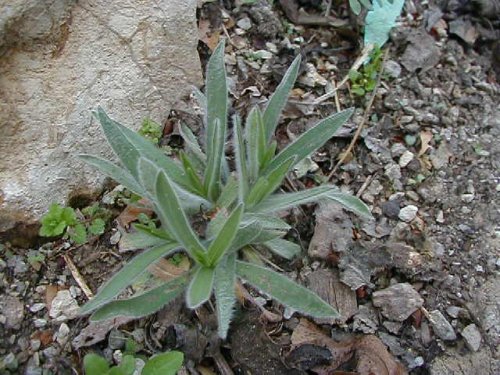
[[238, 209], [365, 80], [161, 364], [64, 221], [151, 130]]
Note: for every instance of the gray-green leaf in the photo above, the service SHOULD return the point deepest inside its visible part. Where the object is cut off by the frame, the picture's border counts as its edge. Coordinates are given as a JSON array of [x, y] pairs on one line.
[[279, 98], [351, 203], [312, 139], [142, 304], [283, 248], [200, 287], [127, 275], [118, 174], [285, 290], [224, 293], [225, 237]]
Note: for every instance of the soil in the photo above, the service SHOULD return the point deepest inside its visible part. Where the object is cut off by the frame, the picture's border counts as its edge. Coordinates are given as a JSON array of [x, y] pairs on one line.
[[422, 277]]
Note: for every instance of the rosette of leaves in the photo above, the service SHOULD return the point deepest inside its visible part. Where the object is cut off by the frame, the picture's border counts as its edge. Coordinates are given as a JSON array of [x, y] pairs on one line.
[[243, 204]]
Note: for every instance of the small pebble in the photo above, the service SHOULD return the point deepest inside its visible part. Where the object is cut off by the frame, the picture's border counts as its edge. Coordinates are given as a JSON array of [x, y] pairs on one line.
[[244, 23], [115, 238], [10, 362], [410, 139], [406, 158], [472, 337], [37, 307], [441, 327], [392, 68], [408, 213], [40, 323]]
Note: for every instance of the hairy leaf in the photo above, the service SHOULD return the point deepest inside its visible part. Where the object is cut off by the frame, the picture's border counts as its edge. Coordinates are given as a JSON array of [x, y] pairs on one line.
[[229, 193], [200, 287], [279, 202], [256, 142], [216, 94], [142, 304], [192, 146], [176, 220], [224, 293], [312, 139], [212, 180], [267, 184], [279, 99], [127, 275], [283, 248], [118, 174], [140, 240], [285, 290], [225, 237], [241, 160], [129, 146], [351, 203]]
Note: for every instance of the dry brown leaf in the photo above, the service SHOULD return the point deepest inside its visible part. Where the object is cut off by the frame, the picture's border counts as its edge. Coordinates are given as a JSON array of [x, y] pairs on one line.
[[97, 331], [207, 35], [372, 357], [130, 213], [425, 140], [50, 293]]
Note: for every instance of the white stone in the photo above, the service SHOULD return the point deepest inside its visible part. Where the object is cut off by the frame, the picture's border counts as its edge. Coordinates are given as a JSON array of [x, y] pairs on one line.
[[244, 23], [62, 334], [63, 304], [408, 213], [37, 307], [59, 62], [406, 158]]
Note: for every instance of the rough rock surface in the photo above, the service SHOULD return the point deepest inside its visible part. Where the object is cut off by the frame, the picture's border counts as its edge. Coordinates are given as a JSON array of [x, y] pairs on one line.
[[134, 58], [398, 301]]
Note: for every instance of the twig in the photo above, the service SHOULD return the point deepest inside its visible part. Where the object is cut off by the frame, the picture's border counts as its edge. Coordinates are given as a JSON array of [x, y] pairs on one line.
[[336, 97], [78, 277], [363, 120]]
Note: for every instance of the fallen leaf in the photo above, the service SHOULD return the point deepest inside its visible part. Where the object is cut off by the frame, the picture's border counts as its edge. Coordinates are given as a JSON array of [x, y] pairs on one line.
[[45, 337], [50, 293], [326, 284], [371, 355], [97, 331], [425, 140], [130, 213], [373, 358], [207, 35]]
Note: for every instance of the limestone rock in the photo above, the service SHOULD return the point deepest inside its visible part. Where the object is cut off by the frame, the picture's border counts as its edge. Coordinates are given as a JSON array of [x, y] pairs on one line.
[[134, 58]]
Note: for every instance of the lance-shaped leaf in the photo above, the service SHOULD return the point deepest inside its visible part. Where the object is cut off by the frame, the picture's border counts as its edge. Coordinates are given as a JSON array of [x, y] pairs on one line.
[[285, 290], [201, 99], [225, 237], [176, 220], [283, 248], [129, 146], [118, 174], [267, 184], [127, 275], [351, 203], [256, 142], [192, 146], [267, 222], [190, 170], [143, 304], [247, 234], [214, 164], [279, 202], [216, 93], [241, 160], [279, 98], [312, 139], [228, 194], [190, 202], [140, 240], [200, 287], [224, 281]]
